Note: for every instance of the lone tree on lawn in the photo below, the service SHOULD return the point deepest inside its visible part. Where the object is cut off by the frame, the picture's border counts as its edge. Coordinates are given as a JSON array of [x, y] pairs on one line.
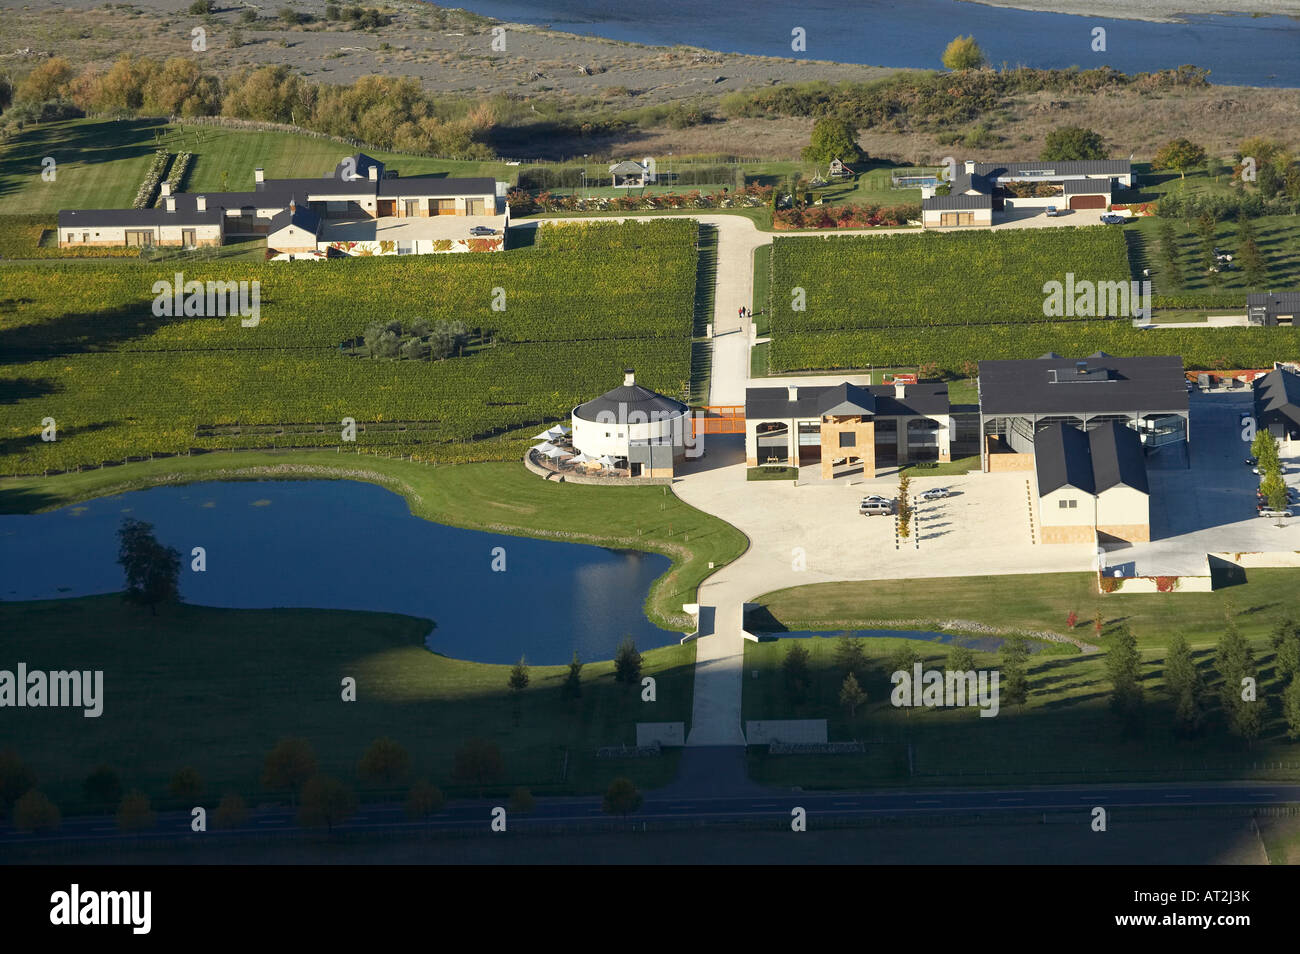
[[852, 695], [1184, 684], [477, 761], [385, 763], [572, 686], [518, 681], [1123, 666], [326, 802], [1179, 155], [795, 668], [963, 53], [152, 570], [289, 765], [1073, 142], [627, 662], [423, 800], [832, 138], [622, 797]]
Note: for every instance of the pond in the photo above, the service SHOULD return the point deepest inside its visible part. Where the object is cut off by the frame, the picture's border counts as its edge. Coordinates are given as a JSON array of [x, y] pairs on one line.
[[1238, 50], [350, 545]]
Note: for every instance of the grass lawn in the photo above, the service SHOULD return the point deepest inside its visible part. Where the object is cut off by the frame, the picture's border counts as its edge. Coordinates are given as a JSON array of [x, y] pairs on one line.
[[762, 279], [502, 497], [961, 465], [1041, 602], [102, 162], [1064, 733], [215, 689], [1278, 237]]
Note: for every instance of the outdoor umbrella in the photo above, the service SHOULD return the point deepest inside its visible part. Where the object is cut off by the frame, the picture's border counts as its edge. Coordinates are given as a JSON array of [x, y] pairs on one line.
[[606, 461], [554, 453], [546, 448], [583, 459]]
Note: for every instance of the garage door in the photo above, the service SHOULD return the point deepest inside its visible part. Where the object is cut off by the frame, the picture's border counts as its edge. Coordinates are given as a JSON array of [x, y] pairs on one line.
[[1087, 202]]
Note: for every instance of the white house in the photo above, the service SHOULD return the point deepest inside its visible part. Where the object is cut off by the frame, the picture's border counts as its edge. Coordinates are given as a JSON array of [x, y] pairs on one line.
[[639, 428], [1092, 486]]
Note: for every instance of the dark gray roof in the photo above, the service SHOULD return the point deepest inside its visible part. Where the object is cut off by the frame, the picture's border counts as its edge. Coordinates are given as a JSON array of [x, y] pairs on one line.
[[1062, 458], [1069, 167], [131, 218], [1106, 456], [1277, 396], [944, 202], [438, 185], [322, 185], [1275, 302], [815, 400], [361, 165], [1086, 187], [1117, 457], [301, 216], [618, 404], [1111, 385]]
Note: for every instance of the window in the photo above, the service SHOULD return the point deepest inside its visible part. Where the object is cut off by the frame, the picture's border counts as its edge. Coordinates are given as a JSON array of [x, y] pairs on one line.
[[1069, 505], [848, 439]]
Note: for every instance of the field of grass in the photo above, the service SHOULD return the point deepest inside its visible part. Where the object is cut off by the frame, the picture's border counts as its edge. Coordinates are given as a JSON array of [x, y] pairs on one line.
[[1278, 238], [581, 305], [501, 497], [1064, 733], [1041, 602], [215, 689], [101, 162], [954, 298]]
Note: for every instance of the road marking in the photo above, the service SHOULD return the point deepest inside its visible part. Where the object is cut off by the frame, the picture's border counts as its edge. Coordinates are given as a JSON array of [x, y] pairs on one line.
[[1178, 796], [1265, 795], [927, 801], [1011, 799], [843, 803]]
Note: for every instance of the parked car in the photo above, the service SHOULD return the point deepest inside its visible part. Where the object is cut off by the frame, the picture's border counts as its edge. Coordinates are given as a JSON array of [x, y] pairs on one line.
[[875, 504], [1251, 462], [936, 493], [1053, 211], [1266, 512], [482, 230], [1111, 219]]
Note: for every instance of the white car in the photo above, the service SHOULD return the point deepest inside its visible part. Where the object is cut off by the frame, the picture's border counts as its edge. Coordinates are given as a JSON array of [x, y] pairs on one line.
[[936, 493], [1274, 513]]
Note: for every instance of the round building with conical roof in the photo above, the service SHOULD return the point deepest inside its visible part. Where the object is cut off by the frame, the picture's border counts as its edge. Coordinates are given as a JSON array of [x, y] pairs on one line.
[[635, 426]]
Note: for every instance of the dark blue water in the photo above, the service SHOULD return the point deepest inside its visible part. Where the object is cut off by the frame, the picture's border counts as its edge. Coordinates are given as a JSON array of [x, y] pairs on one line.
[[985, 644], [1238, 50], [349, 545]]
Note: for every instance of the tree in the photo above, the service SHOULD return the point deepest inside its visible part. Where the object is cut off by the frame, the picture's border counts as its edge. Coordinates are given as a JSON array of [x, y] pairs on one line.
[[48, 80], [1286, 644], [1015, 679], [232, 811], [852, 695], [478, 761], [200, 7], [795, 668], [386, 763], [572, 686], [1073, 142], [1264, 449], [963, 53], [135, 813], [832, 138], [16, 779], [1123, 667], [1235, 662], [622, 797], [1253, 264], [903, 658], [152, 570], [326, 802], [518, 680], [1179, 155], [289, 765], [423, 800], [904, 505], [1183, 682], [627, 662], [1273, 487], [851, 654], [521, 801], [33, 811], [102, 787], [1291, 708], [961, 659], [1170, 271], [186, 785]]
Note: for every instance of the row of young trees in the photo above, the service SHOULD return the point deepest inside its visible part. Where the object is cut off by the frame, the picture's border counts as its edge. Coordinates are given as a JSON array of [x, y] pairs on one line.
[[290, 768], [1249, 257]]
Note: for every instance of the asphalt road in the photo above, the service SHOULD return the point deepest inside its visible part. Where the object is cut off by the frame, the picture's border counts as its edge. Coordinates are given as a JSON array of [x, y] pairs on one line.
[[586, 812]]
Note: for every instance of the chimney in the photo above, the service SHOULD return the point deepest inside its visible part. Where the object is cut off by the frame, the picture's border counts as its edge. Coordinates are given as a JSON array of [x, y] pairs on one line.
[[201, 203], [1081, 367], [258, 176], [373, 172], [171, 203], [293, 207], [899, 390], [629, 377], [793, 391], [165, 189]]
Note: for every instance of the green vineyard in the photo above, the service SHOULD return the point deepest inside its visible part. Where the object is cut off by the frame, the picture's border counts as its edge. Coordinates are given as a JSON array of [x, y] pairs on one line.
[[85, 349], [957, 297]]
